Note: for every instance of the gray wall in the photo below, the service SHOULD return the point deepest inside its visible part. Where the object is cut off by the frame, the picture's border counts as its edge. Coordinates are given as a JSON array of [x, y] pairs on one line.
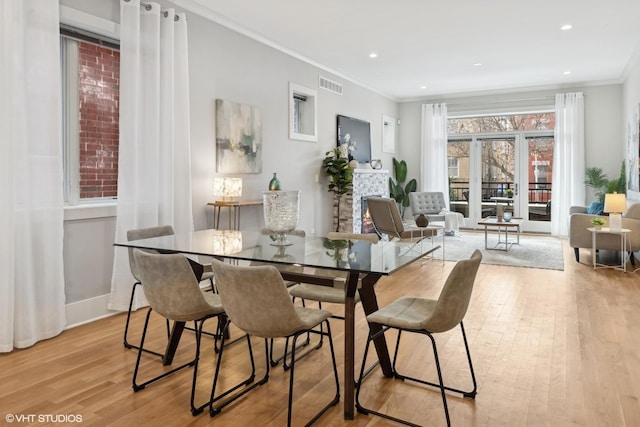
[[227, 65]]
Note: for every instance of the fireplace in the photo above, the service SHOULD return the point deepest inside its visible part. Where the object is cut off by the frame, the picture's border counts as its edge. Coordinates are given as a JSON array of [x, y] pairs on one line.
[[366, 183], [367, 223]]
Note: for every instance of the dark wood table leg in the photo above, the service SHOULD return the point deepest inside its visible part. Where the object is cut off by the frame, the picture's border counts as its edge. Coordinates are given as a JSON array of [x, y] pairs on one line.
[[174, 339], [370, 304]]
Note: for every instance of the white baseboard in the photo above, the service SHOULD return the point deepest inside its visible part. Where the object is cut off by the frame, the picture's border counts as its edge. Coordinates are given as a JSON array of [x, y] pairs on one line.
[[89, 310]]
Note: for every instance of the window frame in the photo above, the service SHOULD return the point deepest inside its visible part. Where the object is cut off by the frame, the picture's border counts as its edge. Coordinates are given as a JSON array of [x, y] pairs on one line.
[[70, 37]]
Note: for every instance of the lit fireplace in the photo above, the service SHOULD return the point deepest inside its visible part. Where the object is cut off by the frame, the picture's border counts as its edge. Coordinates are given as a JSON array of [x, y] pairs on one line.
[[367, 224]]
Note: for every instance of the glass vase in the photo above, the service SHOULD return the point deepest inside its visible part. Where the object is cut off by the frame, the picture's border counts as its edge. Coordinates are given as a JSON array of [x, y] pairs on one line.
[[274, 184], [281, 213]]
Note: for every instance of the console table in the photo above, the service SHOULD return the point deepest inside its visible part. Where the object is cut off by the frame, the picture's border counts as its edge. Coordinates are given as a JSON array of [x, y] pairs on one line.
[[234, 211]]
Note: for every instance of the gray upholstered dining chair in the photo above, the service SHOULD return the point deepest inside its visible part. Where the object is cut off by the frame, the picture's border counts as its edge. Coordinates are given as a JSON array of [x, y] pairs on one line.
[[387, 220], [257, 302], [171, 288], [147, 233], [428, 317]]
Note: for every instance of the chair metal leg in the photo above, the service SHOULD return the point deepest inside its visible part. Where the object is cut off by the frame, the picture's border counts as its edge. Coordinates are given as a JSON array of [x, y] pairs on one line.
[[216, 409], [126, 326], [138, 387], [440, 385], [335, 399]]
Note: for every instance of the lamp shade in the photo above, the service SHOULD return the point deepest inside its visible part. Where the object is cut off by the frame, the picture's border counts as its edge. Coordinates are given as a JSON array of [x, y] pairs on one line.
[[227, 189], [615, 203]]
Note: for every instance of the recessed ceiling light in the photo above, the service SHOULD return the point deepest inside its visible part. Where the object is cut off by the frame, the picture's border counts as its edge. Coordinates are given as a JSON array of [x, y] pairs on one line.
[[373, 55], [478, 64], [566, 73], [566, 27], [423, 87]]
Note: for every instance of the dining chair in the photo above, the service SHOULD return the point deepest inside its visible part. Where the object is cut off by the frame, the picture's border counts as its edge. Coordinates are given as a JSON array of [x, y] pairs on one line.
[[328, 294], [204, 271], [257, 302], [173, 292], [427, 317]]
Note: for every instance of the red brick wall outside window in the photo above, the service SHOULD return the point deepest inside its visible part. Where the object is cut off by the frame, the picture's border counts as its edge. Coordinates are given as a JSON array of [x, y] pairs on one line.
[[98, 89]]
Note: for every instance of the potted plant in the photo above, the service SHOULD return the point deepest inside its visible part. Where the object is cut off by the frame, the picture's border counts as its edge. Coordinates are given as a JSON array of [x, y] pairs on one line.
[[398, 192], [598, 222], [509, 192], [337, 167]]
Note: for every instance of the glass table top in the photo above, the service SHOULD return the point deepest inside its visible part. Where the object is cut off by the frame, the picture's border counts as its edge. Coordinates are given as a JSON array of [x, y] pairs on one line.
[[384, 257]]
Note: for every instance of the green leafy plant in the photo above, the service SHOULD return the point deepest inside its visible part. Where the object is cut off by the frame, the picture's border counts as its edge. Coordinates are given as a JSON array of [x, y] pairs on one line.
[[595, 178], [340, 175], [598, 221], [399, 192], [509, 192]]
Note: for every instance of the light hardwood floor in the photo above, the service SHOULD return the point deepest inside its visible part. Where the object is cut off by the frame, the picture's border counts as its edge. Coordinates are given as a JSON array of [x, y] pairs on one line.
[[550, 348]]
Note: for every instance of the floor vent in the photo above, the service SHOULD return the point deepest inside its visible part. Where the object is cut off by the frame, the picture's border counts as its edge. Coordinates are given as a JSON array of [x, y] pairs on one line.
[[330, 85]]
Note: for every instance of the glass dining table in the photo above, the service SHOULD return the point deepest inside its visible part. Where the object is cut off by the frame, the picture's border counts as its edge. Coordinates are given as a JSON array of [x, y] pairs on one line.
[[359, 259]]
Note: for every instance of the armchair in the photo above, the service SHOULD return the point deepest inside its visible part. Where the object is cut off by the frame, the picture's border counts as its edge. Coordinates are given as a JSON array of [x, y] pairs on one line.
[[580, 237]]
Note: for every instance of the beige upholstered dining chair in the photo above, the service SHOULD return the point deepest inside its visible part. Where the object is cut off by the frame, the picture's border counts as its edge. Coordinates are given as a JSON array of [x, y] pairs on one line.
[[147, 233], [171, 288], [257, 302], [428, 317], [328, 294]]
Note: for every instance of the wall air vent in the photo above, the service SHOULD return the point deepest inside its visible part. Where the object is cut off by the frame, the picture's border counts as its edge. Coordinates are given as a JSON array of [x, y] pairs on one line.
[[330, 85]]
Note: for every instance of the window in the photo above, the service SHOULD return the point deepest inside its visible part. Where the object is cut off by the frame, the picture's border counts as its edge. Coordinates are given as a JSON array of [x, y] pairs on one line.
[[454, 167], [90, 95]]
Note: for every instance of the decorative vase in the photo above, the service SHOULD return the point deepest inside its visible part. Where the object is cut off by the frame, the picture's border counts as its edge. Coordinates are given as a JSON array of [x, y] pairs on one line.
[[422, 221], [281, 213], [274, 184]]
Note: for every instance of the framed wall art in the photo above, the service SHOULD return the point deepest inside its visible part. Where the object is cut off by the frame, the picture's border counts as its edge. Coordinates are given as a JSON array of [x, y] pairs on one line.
[[238, 138], [633, 151]]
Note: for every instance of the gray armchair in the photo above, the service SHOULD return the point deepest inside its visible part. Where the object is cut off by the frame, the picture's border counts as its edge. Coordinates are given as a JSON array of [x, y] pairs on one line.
[[580, 237], [428, 203]]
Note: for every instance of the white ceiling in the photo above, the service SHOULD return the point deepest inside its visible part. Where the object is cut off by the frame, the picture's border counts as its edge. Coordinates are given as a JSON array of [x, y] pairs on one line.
[[436, 43]]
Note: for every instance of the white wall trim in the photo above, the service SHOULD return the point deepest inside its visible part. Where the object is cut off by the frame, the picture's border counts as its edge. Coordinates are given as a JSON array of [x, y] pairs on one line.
[[87, 311], [85, 21]]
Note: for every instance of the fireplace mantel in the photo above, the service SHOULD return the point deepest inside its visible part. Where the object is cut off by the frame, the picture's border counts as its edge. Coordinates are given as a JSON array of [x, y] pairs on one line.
[[367, 182]]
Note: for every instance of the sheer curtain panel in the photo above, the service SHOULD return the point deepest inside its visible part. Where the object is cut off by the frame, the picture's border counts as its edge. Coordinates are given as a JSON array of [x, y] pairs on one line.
[[154, 172], [32, 301], [433, 159], [568, 160]]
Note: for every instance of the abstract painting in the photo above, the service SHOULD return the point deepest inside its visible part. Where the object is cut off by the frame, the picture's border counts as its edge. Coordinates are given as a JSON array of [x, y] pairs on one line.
[[238, 138], [633, 150]]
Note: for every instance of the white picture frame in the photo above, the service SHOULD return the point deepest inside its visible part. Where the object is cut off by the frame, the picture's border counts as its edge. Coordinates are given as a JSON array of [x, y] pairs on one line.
[[388, 134], [303, 113]]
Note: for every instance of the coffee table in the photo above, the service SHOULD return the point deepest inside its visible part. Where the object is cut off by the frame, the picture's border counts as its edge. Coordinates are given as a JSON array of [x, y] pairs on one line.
[[491, 222]]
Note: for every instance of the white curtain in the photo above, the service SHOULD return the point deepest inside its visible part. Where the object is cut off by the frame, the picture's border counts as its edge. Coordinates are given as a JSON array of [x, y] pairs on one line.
[[32, 301], [568, 160], [154, 170], [434, 167]]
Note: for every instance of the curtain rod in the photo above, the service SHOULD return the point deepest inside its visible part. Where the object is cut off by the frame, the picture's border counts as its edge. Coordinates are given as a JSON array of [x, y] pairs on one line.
[[148, 7]]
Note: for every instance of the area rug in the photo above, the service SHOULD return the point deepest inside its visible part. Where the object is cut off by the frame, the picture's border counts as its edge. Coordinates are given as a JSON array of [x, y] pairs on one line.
[[534, 251]]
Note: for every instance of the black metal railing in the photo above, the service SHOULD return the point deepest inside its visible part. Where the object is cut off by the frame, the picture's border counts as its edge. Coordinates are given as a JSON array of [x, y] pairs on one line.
[[539, 197]]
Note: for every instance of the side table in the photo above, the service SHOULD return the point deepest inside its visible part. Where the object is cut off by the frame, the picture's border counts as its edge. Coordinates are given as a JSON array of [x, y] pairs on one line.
[[624, 236], [234, 211]]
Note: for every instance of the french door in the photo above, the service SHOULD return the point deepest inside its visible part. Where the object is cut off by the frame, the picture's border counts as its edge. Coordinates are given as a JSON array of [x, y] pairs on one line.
[[512, 170]]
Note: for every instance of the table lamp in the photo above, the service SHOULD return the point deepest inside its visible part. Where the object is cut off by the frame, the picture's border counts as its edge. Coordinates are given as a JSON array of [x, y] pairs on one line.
[[227, 189], [614, 205]]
